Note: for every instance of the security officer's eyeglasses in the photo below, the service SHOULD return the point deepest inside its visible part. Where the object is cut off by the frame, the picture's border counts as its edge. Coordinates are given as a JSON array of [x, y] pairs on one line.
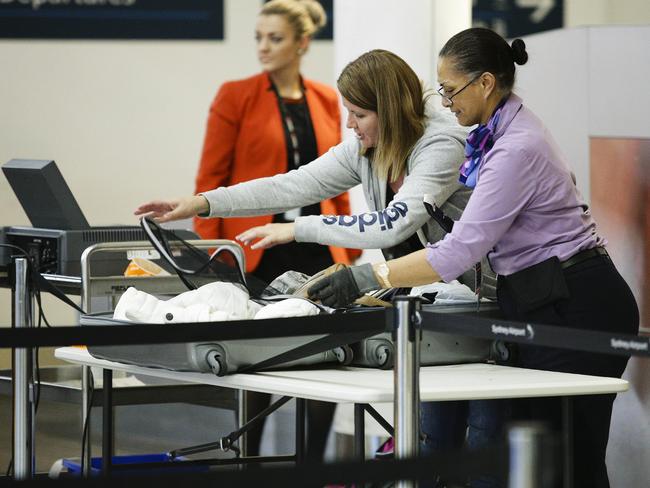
[[449, 98]]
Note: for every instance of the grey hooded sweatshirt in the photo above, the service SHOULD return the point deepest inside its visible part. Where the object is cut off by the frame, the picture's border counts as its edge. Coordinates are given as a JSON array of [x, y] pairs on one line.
[[432, 167]]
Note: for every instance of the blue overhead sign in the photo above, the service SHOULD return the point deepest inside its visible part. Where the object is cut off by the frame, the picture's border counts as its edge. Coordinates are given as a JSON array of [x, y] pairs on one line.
[[111, 19], [327, 32], [516, 18]]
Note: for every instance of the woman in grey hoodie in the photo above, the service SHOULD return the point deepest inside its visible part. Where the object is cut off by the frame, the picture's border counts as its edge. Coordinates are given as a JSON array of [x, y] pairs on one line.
[[402, 151]]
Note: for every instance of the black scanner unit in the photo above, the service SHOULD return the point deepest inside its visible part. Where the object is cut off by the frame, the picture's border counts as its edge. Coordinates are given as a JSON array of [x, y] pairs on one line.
[[60, 232], [44, 194]]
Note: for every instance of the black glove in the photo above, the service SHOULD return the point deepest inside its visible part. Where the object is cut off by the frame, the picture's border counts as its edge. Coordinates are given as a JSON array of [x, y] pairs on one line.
[[343, 287]]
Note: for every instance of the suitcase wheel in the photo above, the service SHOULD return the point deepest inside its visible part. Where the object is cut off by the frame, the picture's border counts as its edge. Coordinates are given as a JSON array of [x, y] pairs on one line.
[[499, 351], [384, 356], [344, 354], [216, 363]]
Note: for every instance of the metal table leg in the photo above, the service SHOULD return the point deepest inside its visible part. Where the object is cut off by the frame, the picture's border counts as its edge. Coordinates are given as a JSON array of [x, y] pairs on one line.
[[86, 376], [359, 432], [86, 379], [300, 430], [107, 422], [407, 380], [567, 441], [359, 436]]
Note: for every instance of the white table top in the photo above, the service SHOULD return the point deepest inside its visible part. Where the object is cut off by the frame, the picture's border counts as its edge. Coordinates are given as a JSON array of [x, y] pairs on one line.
[[365, 385]]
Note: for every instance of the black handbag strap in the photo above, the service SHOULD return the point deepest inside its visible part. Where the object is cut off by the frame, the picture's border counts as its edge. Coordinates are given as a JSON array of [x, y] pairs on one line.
[[447, 223]]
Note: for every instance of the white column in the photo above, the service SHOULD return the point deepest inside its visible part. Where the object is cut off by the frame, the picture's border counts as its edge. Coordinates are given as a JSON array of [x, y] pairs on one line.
[[412, 29]]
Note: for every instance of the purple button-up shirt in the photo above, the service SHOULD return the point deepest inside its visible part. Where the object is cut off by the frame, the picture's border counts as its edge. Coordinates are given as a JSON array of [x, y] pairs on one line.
[[525, 207]]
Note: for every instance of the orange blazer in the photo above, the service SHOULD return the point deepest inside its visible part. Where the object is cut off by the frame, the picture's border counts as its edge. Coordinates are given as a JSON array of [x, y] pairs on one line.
[[245, 140]]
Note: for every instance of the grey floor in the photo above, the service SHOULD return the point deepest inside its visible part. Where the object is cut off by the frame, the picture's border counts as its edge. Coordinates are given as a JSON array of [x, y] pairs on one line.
[[139, 430], [144, 429]]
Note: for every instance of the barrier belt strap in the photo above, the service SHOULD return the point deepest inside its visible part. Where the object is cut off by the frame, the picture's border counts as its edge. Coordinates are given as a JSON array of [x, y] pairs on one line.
[[127, 334], [317, 346], [45, 285], [474, 325], [454, 465]]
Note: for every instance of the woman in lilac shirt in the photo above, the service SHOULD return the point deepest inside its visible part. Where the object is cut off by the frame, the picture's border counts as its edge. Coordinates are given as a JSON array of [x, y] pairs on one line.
[[528, 217]]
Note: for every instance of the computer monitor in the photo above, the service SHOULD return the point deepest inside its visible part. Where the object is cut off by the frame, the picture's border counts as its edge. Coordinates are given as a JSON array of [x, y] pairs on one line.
[[44, 194]]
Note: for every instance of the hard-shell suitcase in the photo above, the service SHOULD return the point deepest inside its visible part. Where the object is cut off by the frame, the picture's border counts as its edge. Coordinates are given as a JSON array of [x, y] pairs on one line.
[[191, 264], [219, 357], [435, 347]]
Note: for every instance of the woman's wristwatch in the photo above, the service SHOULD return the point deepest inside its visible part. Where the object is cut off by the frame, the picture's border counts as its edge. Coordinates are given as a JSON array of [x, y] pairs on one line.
[[201, 207], [381, 272]]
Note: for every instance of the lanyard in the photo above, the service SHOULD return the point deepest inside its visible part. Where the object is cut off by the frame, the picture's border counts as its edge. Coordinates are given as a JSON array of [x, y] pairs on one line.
[[289, 126]]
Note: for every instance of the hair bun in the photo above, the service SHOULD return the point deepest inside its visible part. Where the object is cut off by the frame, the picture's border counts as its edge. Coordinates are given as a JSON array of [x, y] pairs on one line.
[[316, 12], [519, 54]]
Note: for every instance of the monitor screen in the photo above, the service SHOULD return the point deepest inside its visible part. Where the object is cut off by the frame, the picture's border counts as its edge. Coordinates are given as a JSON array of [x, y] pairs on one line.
[[44, 194]]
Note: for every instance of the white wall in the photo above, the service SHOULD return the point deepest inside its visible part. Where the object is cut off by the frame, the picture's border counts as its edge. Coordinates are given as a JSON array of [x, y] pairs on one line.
[[619, 63], [412, 29], [599, 12]]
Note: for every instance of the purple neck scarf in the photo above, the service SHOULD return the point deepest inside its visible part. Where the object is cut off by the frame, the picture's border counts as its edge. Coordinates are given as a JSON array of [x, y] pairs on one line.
[[479, 142]]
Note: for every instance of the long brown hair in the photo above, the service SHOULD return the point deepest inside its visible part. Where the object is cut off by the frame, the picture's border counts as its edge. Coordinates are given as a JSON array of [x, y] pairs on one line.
[[383, 82]]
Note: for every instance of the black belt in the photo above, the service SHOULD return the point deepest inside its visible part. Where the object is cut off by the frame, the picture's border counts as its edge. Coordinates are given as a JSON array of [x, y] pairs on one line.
[[583, 256]]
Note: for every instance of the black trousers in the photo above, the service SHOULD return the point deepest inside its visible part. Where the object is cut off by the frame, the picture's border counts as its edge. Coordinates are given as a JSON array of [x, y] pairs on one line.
[[599, 300]]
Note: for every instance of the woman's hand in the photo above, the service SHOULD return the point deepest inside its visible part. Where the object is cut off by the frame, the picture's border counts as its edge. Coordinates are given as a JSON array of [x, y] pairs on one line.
[[182, 208], [345, 286], [269, 235]]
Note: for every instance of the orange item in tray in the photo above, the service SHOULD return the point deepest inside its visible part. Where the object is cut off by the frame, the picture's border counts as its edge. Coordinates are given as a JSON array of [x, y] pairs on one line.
[[143, 267]]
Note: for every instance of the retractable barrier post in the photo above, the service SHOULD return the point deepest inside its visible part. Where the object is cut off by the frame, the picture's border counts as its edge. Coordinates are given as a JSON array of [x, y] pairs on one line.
[[22, 377], [406, 379], [525, 445]]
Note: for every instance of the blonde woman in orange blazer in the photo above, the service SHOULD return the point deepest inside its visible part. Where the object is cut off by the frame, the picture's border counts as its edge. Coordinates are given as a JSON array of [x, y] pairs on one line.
[[248, 136]]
